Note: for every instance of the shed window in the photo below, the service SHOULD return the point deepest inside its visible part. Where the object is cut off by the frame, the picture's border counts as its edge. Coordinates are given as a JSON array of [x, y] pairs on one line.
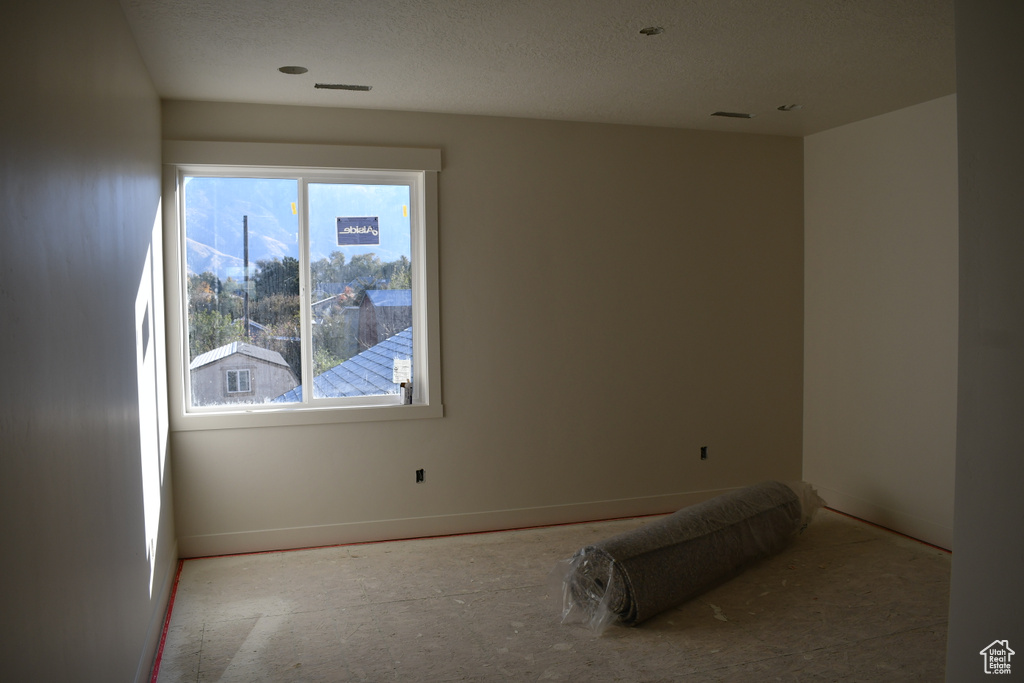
[[238, 382]]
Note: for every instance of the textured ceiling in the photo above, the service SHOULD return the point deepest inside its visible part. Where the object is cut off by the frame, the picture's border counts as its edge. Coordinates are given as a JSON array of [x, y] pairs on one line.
[[578, 60]]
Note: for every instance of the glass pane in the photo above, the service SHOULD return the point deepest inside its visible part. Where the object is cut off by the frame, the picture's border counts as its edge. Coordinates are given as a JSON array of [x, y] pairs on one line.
[[361, 284], [241, 248]]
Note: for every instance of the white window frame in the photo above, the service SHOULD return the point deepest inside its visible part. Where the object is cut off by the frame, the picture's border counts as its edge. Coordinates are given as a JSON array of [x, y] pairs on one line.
[[316, 162]]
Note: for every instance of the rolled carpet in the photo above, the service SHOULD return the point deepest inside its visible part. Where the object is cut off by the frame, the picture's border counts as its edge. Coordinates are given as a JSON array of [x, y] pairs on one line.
[[637, 574]]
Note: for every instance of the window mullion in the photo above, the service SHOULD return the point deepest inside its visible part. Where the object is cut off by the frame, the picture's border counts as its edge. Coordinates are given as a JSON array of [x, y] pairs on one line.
[[305, 308], [419, 288]]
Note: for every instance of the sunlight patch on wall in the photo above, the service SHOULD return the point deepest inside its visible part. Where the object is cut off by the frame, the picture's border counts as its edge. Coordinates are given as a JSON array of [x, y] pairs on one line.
[[151, 372]]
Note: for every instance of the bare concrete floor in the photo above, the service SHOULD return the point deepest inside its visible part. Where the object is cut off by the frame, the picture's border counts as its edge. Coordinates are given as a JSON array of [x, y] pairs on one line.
[[846, 601]]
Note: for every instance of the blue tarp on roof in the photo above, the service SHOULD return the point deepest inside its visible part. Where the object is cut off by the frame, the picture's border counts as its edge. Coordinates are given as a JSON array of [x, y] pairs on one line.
[[366, 374]]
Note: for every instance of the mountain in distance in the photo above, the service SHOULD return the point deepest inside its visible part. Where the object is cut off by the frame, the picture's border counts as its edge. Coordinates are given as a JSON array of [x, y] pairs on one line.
[[202, 258], [216, 211], [217, 208]]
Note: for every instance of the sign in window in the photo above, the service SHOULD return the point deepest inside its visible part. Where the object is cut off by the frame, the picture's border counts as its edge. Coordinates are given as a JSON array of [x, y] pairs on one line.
[[358, 230]]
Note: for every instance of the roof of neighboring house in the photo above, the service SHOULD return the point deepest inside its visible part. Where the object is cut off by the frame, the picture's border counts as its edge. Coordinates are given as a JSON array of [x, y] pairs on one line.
[[389, 297], [331, 288], [241, 348], [366, 374], [340, 287]]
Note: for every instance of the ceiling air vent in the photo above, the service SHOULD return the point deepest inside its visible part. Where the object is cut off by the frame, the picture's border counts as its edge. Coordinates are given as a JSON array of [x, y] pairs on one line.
[[733, 114], [342, 86]]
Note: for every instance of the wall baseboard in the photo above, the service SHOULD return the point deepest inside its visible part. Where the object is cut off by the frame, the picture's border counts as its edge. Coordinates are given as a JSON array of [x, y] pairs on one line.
[[915, 527], [437, 525], [155, 630]]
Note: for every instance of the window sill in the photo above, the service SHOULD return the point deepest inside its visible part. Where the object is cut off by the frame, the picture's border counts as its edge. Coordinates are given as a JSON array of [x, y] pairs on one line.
[[294, 417]]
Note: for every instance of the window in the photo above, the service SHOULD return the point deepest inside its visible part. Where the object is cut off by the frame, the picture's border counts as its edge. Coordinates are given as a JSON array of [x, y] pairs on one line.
[[320, 277], [238, 381]]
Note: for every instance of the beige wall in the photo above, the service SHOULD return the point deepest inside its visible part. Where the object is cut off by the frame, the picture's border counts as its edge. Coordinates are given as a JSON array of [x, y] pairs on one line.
[[880, 343], [612, 298], [85, 509], [986, 593]]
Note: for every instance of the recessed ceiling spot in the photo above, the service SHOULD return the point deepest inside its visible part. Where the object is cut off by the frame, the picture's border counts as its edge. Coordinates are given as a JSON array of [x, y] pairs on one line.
[[342, 86], [733, 114], [652, 30], [791, 107], [293, 70]]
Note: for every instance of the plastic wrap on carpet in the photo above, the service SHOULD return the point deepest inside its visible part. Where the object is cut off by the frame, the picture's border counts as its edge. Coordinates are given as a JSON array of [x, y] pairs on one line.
[[635, 575]]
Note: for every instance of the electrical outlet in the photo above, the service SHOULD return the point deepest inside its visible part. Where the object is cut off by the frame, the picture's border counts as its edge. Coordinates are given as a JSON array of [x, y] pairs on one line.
[[419, 476], [703, 452]]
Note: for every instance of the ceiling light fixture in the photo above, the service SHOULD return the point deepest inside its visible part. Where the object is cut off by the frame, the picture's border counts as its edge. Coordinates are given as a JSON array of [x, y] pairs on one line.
[[652, 30], [342, 86], [293, 70], [733, 114]]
